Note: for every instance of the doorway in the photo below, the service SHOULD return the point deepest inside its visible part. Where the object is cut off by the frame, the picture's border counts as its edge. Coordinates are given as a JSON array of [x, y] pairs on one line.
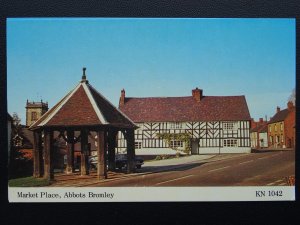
[[195, 146]]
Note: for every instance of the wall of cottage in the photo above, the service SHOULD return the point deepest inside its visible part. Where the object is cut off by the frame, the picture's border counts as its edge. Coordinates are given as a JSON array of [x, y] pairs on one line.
[[276, 134], [289, 130], [211, 137]]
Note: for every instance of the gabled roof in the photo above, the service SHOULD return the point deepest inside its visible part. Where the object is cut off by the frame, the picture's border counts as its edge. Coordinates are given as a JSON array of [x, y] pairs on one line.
[[261, 128], [280, 116], [83, 106], [172, 109]]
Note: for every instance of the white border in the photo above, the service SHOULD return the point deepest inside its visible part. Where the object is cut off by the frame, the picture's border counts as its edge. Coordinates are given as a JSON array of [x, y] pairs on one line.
[[152, 194]]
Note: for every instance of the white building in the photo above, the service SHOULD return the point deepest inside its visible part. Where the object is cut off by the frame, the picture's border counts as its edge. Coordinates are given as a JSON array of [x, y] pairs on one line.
[[259, 135], [194, 124]]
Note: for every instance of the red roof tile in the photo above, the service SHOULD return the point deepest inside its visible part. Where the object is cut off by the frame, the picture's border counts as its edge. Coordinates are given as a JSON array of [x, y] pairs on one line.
[[75, 111], [171, 109], [260, 128], [279, 116], [83, 106]]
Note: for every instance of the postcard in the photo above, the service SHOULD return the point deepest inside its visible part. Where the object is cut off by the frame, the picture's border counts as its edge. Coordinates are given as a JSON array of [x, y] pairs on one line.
[[151, 109]]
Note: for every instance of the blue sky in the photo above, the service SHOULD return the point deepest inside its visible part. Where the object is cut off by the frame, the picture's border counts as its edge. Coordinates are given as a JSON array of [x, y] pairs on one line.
[[152, 57]]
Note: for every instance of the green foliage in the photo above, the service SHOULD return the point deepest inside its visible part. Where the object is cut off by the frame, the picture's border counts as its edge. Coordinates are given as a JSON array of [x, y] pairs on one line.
[[185, 137], [28, 182], [19, 166]]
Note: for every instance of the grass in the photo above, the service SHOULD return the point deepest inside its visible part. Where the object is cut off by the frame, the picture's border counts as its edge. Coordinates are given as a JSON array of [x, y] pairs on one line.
[[28, 182]]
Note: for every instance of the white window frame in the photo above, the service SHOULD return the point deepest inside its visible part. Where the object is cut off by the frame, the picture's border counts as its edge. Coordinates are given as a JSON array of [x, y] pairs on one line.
[[229, 125], [138, 145], [176, 125], [176, 144], [230, 143]]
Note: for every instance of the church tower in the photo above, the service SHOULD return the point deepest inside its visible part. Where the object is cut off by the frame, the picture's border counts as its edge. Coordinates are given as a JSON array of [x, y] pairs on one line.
[[34, 111]]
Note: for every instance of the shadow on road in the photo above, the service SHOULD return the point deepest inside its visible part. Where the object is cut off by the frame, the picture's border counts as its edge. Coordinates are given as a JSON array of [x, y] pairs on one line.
[[161, 169]]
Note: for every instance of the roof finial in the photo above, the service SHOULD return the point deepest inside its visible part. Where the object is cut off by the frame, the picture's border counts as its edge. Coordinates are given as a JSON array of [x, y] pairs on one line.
[[83, 75]]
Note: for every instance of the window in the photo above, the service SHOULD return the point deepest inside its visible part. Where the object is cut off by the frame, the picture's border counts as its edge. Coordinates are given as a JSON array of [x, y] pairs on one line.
[[282, 138], [138, 144], [175, 125], [33, 116], [281, 126], [271, 139], [176, 144], [277, 139], [230, 143], [270, 128], [275, 127], [229, 126]]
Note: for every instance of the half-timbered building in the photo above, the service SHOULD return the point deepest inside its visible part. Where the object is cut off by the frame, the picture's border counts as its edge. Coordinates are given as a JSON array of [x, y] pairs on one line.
[[194, 124]]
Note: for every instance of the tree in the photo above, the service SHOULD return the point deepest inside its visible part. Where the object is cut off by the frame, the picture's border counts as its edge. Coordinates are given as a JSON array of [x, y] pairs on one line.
[[292, 97], [18, 165], [15, 131]]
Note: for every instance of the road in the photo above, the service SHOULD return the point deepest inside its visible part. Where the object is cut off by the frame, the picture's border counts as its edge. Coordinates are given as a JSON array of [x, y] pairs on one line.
[[256, 169]]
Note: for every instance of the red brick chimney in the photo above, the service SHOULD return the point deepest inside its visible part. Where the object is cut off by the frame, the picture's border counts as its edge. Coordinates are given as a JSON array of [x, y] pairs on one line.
[[278, 109], [261, 121], [122, 98], [290, 105], [197, 94]]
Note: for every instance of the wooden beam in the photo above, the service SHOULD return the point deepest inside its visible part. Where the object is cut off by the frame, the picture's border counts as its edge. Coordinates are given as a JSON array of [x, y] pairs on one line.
[[130, 150], [112, 134], [70, 153], [84, 168], [101, 168], [37, 155], [48, 164]]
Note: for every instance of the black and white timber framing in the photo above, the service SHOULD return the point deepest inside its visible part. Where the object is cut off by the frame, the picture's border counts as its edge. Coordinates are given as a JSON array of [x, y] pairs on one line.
[[205, 137]]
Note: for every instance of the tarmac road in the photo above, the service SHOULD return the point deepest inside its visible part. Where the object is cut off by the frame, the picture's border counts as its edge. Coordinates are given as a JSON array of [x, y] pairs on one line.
[[256, 169]]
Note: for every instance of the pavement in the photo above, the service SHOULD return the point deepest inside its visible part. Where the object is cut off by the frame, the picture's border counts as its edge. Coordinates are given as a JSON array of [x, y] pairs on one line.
[[183, 161]]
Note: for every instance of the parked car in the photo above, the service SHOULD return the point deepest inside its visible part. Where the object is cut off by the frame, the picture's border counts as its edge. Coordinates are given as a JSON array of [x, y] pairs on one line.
[[121, 161]]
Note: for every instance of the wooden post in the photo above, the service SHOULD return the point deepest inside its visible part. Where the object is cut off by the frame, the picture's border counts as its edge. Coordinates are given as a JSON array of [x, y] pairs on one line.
[[111, 149], [36, 155], [84, 153], [70, 152], [130, 151], [48, 164], [101, 168]]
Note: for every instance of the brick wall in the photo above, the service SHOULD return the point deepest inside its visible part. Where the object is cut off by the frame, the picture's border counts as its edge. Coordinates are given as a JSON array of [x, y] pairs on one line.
[[289, 123]]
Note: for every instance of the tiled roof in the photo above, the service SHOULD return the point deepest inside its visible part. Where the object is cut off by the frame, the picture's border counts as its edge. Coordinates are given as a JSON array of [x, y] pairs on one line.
[[171, 109], [279, 116], [83, 106], [260, 128]]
